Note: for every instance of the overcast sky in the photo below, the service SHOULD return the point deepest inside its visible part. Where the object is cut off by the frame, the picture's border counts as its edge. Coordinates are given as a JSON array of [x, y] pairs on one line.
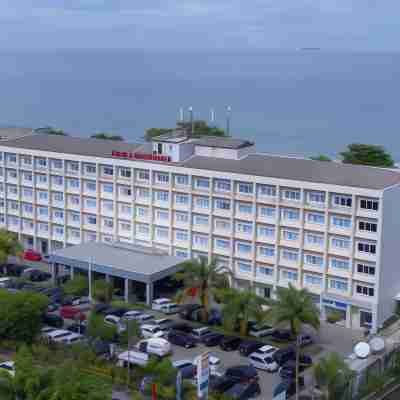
[[233, 24]]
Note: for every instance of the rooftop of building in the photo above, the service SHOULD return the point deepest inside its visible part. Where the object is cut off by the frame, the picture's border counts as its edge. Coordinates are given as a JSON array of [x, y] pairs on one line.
[[140, 263], [11, 133], [223, 142]]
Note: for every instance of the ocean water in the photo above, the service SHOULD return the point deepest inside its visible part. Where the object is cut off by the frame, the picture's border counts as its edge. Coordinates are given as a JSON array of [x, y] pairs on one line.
[[298, 102]]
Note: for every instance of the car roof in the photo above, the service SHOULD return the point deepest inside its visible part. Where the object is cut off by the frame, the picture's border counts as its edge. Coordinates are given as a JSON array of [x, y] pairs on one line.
[[162, 299], [267, 348], [8, 364], [179, 363], [148, 326], [58, 332]]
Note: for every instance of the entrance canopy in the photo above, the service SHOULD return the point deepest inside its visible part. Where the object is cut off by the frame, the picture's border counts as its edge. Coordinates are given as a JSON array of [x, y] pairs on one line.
[[134, 262]]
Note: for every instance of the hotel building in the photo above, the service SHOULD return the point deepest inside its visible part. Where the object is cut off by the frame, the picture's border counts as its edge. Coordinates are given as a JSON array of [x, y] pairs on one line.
[[328, 227]]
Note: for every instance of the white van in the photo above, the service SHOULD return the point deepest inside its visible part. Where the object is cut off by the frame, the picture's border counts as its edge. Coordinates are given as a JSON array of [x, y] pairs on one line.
[[5, 282], [149, 331], [156, 346], [71, 339], [157, 304], [170, 308], [264, 362], [133, 357], [57, 334]]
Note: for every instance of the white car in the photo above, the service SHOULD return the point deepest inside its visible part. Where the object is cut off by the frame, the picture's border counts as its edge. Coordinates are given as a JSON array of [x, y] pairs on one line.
[[113, 320], [261, 330], [145, 318], [133, 314], [80, 301], [149, 331], [132, 357], [157, 304], [200, 333], [8, 366], [70, 339], [264, 362], [157, 346], [57, 334], [266, 350]]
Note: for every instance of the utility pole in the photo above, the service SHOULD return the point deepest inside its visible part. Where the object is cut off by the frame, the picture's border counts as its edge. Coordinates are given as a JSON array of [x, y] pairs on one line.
[[228, 120], [191, 120]]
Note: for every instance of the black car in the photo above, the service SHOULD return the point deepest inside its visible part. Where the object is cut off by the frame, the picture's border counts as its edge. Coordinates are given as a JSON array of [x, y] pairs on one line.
[[281, 356], [53, 320], [220, 384], [12, 269], [288, 370], [281, 335], [77, 328], [190, 312], [181, 327], [244, 391], [242, 373], [249, 346], [213, 339], [40, 276], [230, 343], [181, 339]]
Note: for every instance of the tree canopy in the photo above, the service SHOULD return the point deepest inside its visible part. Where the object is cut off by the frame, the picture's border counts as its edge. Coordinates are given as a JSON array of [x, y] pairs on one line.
[[9, 245], [107, 136], [79, 286], [367, 154], [49, 130], [321, 157]]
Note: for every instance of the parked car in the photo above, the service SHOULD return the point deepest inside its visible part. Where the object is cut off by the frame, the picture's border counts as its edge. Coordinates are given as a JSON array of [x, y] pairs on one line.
[[305, 340], [57, 334], [32, 255], [181, 339], [288, 386], [242, 373], [264, 362], [213, 339], [157, 346], [200, 333], [149, 331], [113, 320], [100, 307], [220, 384], [249, 346], [69, 300], [72, 338], [214, 364], [78, 328], [145, 318], [117, 311], [39, 276], [266, 350], [5, 282], [261, 330], [244, 391], [8, 366], [182, 327], [53, 320], [281, 356], [133, 357], [281, 335], [12, 269], [69, 312], [288, 370], [53, 307], [230, 343], [190, 312], [132, 314], [170, 308], [164, 323], [157, 304]]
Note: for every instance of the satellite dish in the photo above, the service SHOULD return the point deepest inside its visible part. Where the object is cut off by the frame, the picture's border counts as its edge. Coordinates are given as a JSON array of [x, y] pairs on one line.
[[362, 350], [377, 344]]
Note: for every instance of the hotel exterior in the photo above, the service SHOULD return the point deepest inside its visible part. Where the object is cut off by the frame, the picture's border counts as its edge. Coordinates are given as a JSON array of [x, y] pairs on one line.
[[328, 227]]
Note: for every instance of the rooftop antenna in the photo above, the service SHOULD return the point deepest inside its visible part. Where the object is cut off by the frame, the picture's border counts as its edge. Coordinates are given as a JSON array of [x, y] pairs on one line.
[[181, 115], [228, 120], [212, 115], [191, 120]]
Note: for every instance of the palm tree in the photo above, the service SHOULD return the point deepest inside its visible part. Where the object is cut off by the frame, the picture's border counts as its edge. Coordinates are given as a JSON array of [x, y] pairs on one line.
[[295, 307], [202, 278], [333, 376], [9, 245], [241, 306]]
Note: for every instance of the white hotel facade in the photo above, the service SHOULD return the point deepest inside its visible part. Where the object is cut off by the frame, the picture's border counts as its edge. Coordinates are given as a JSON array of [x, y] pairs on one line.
[[331, 228]]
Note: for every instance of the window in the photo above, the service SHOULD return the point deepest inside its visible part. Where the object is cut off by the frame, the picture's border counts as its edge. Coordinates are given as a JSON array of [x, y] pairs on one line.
[[13, 190], [266, 231], [56, 164], [316, 218], [90, 203], [161, 196], [365, 269], [222, 204], [161, 233], [43, 211], [181, 217], [11, 157], [108, 223], [369, 204], [90, 169], [28, 208], [292, 195], [73, 166], [290, 255], [59, 230], [107, 205], [289, 214], [312, 259], [181, 253], [266, 251], [27, 176], [125, 172], [338, 285], [243, 248], [162, 178], [245, 208], [74, 233], [342, 200], [41, 162], [125, 209], [290, 235], [367, 248], [43, 227], [57, 180], [367, 226], [222, 244], [245, 188], [244, 267], [314, 239], [162, 215], [200, 240], [13, 205], [74, 200], [181, 235], [43, 195], [143, 175], [200, 220], [75, 217], [108, 170], [313, 280], [91, 220], [107, 187], [341, 222], [365, 290], [90, 186], [125, 191], [27, 192], [58, 197], [244, 227], [26, 160], [73, 183], [289, 275], [340, 243], [222, 225], [141, 212], [182, 199], [222, 185], [267, 212], [12, 174], [339, 263], [268, 271], [266, 190], [316, 197], [181, 180], [202, 202], [58, 214], [202, 183], [143, 193], [143, 229]]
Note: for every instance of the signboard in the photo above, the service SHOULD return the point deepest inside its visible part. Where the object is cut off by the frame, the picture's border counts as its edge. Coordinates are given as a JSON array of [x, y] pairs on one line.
[[203, 375], [336, 304], [128, 155]]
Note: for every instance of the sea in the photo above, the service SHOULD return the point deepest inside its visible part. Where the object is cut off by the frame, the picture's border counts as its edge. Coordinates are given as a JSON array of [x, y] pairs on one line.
[[298, 102]]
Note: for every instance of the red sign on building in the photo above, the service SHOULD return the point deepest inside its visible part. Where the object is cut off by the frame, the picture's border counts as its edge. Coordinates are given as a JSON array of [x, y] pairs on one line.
[[140, 156]]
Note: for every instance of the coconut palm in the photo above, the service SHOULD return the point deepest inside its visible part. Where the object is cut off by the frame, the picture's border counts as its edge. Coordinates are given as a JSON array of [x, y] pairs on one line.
[[201, 279], [240, 307], [295, 307], [9, 245], [333, 376]]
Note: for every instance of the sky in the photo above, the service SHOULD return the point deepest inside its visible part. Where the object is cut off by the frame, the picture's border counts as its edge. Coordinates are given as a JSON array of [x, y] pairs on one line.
[[365, 25]]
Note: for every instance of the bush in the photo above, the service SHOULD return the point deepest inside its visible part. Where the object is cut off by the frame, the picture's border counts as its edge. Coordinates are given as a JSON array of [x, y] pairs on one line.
[[79, 286], [334, 316]]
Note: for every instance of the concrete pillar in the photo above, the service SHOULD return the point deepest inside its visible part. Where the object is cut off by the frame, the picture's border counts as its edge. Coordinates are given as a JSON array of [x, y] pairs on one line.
[[71, 272], [149, 293], [126, 290]]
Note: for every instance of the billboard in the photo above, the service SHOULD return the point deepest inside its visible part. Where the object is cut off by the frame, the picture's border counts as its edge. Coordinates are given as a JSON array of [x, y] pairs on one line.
[[203, 375]]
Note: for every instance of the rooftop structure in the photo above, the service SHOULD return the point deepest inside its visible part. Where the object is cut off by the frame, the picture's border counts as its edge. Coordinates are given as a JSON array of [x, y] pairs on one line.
[[14, 133]]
